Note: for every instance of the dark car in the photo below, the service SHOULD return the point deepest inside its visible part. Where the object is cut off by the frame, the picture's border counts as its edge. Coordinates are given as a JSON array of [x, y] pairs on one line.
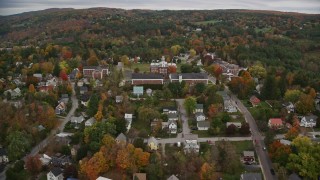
[[194, 128], [272, 171]]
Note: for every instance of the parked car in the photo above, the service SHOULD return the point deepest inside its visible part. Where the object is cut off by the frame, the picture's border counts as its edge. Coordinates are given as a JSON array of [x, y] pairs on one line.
[[272, 171], [194, 128]]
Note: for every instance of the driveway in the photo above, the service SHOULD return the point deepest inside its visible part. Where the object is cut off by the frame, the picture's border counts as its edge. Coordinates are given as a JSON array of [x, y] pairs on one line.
[[183, 116]]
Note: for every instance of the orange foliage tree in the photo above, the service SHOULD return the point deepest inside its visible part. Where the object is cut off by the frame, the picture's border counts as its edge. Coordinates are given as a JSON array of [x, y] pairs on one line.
[[279, 152]]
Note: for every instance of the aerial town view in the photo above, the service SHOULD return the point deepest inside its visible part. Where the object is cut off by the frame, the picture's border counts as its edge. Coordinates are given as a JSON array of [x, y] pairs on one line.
[[160, 90]]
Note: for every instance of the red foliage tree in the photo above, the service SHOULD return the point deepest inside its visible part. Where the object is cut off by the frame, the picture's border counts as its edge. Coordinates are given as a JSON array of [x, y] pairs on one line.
[[63, 75], [33, 164], [172, 69]]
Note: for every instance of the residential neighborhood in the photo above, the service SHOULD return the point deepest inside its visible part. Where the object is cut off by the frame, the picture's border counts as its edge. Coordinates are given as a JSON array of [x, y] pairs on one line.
[[141, 94]]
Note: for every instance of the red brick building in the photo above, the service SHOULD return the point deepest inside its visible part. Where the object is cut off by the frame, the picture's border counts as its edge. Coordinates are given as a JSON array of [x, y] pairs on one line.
[[161, 67], [96, 72]]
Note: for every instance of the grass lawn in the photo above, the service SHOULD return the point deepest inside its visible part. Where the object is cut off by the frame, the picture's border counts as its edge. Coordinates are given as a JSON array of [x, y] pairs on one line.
[[171, 149], [145, 67], [202, 133], [263, 30], [246, 103], [140, 125], [243, 146]]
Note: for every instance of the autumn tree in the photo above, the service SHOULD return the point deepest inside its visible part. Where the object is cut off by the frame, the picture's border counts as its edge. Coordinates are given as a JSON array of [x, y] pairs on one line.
[[33, 164], [216, 70], [212, 110], [279, 152], [175, 49], [292, 95], [93, 61], [294, 130], [305, 104], [94, 166], [242, 85], [192, 53], [258, 71], [125, 60], [190, 104], [207, 171], [306, 159], [172, 69], [63, 75], [31, 88], [147, 114]]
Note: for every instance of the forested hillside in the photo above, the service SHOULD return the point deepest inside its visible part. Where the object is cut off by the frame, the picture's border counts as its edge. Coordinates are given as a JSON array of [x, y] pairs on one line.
[[287, 41]]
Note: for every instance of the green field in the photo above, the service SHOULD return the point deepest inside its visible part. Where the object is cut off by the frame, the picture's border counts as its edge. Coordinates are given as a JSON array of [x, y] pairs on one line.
[[206, 22], [145, 67], [263, 30]]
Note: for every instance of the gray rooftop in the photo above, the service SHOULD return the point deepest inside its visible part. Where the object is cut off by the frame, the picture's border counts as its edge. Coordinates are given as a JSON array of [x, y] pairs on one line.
[[146, 76], [121, 137], [203, 124], [189, 76], [248, 153], [199, 106]]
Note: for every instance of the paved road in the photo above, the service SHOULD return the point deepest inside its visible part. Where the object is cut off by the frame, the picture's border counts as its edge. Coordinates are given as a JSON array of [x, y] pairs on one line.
[[35, 150], [212, 139], [183, 116], [257, 139]]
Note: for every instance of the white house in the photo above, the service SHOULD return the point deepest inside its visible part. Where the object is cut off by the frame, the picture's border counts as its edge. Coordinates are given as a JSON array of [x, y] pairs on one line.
[[289, 107], [200, 116], [3, 156], [309, 121], [170, 110], [77, 120], [84, 99], [55, 174], [229, 107], [90, 122], [172, 127], [191, 143], [149, 92], [14, 93], [237, 124], [203, 125], [60, 108], [119, 99]]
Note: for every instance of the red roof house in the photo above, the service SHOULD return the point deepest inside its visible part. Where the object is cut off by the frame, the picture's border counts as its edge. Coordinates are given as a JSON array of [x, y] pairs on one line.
[[275, 123], [254, 100]]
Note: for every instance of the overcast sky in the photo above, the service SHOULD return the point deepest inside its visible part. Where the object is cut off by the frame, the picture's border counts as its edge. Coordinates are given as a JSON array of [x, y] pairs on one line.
[[8, 7]]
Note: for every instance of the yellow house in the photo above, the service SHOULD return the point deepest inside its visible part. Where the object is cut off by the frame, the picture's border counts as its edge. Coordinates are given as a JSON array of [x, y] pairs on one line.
[[153, 143]]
